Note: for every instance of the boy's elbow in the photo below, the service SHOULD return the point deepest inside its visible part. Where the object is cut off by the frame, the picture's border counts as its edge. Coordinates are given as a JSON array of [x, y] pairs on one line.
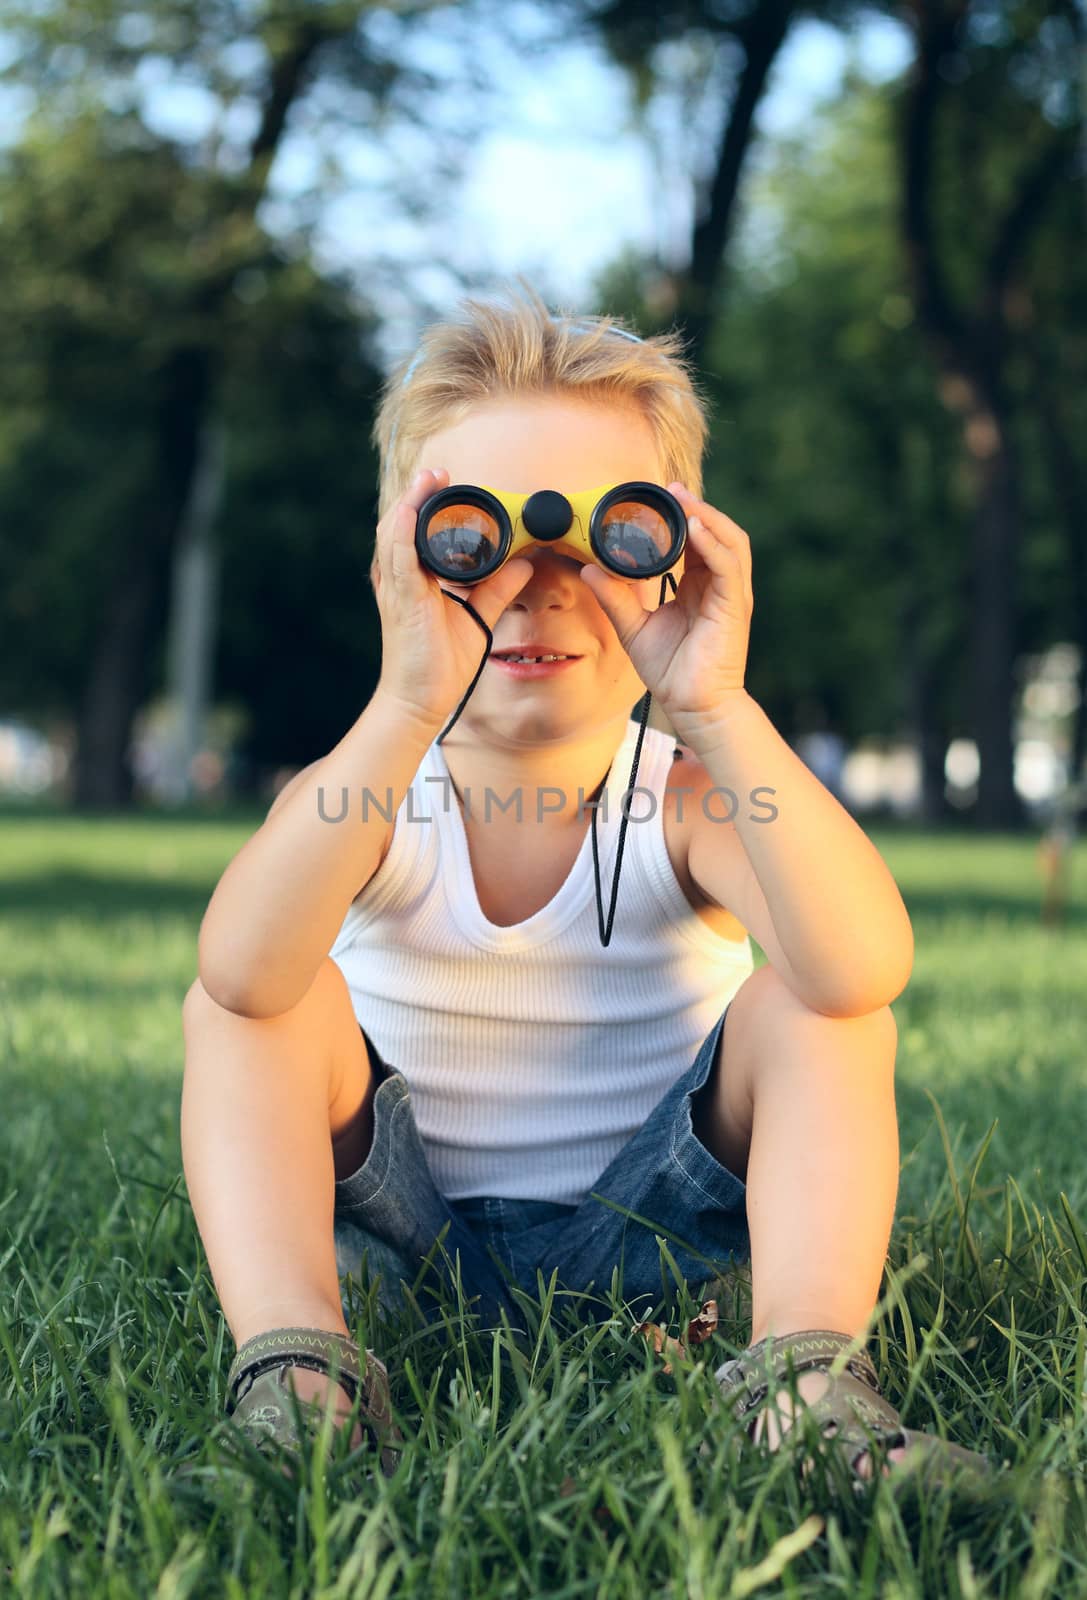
[[244, 1001], [218, 980], [890, 974], [861, 994], [211, 981], [223, 994], [886, 986], [215, 978]]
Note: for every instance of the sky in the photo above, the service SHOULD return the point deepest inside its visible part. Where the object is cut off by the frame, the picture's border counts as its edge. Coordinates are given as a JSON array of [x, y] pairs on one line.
[[557, 183], [555, 189], [558, 194]]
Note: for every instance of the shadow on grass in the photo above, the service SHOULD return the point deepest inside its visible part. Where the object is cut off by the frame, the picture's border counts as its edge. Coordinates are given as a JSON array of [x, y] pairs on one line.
[[68, 891], [1016, 911], [64, 890]]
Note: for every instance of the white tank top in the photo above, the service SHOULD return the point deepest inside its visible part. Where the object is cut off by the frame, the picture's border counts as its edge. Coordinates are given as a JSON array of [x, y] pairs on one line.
[[533, 1053]]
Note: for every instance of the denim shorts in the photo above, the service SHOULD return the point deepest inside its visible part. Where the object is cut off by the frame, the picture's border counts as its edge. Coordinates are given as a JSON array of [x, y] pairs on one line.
[[663, 1181]]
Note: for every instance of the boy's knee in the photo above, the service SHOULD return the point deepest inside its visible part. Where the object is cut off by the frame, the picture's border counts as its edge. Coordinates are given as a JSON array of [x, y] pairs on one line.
[[765, 1005], [196, 1005], [884, 1030], [763, 1001]]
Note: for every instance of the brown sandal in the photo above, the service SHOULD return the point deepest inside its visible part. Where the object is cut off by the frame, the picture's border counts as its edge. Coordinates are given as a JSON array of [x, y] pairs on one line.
[[260, 1398], [852, 1411]]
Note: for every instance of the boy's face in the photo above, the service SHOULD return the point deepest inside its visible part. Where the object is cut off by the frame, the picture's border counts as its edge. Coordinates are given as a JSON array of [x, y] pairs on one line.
[[521, 446]]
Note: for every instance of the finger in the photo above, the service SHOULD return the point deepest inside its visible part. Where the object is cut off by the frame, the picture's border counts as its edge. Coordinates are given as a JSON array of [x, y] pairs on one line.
[[491, 597], [403, 559], [721, 560], [717, 554], [704, 542], [619, 601], [427, 481], [718, 522]]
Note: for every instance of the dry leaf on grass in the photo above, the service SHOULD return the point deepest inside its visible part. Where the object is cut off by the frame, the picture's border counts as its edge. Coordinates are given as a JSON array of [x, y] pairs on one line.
[[699, 1329], [701, 1326], [661, 1339]]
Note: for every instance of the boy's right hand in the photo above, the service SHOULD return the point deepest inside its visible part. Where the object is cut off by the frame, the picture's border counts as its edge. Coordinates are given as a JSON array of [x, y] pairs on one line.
[[430, 646]]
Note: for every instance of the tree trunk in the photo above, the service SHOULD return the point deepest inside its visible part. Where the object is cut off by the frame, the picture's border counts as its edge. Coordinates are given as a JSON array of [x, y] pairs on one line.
[[698, 291], [922, 673], [193, 612], [924, 701], [118, 680], [102, 778], [969, 340], [1069, 484], [136, 604], [994, 649]]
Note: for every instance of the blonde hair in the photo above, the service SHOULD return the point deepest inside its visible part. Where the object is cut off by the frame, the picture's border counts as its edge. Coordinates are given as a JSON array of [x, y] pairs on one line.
[[520, 348]]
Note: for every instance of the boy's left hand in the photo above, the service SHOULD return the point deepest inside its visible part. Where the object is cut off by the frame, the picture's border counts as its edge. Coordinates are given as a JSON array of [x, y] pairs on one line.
[[690, 652]]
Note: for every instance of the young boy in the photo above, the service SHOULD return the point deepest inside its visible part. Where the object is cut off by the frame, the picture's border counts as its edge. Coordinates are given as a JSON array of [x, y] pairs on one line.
[[384, 914]]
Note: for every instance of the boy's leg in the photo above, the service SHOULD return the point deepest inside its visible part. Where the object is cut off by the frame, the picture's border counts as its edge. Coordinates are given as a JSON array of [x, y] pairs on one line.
[[802, 1106], [273, 1109]]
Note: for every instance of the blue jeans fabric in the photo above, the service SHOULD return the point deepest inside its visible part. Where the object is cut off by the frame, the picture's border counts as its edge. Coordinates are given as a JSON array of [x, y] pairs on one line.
[[390, 1212]]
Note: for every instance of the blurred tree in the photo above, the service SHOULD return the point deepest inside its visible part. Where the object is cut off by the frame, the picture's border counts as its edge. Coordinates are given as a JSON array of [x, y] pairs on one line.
[[204, 244], [1051, 327], [1047, 318], [976, 192], [831, 447], [713, 56], [992, 131], [80, 57], [84, 269], [94, 285], [835, 430], [300, 638]]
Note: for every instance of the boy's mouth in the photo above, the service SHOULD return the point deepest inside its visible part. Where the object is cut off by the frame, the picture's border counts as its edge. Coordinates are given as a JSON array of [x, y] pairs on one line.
[[526, 663]]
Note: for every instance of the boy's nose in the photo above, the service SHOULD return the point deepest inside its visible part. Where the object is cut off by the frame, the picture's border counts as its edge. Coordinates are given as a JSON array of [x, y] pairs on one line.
[[554, 581]]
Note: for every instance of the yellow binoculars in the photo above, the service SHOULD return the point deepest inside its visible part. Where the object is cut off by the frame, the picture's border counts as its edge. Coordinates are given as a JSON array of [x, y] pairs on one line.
[[635, 530]]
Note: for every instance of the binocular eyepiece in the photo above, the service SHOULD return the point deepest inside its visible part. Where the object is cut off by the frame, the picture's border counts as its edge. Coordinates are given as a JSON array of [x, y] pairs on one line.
[[466, 532]]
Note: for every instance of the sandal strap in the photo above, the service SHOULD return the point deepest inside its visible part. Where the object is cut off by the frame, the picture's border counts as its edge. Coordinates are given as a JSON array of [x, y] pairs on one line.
[[315, 1348], [748, 1378], [853, 1412]]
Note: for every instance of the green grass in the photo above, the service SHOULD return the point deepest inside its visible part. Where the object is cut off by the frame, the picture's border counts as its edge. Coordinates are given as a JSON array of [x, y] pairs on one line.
[[566, 1464]]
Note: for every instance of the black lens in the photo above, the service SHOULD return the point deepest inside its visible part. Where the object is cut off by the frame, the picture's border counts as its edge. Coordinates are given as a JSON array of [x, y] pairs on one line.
[[638, 530], [457, 537]]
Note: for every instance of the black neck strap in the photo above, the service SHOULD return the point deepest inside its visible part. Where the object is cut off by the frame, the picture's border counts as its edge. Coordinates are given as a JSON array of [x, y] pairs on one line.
[[605, 929]]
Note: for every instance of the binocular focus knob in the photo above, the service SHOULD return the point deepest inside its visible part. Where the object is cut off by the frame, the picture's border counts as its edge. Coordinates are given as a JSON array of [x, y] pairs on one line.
[[547, 514]]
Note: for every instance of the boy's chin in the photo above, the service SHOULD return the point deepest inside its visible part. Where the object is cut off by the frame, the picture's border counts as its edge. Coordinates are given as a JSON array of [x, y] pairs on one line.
[[584, 716]]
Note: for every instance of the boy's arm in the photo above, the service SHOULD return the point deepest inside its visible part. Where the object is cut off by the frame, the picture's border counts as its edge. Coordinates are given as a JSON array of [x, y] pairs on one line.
[[280, 903], [794, 866]]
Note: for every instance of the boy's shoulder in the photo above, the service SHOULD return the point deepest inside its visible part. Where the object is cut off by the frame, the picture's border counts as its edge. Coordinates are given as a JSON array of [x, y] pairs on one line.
[[687, 784], [687, 772]]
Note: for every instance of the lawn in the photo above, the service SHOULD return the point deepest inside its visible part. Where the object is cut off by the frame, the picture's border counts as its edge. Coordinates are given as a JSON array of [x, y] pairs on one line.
[[567, 1464]]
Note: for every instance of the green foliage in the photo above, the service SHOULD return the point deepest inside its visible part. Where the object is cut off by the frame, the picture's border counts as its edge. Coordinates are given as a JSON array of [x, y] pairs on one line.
[[100, 295], [832, 445], [300, 644], [833, 431]]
